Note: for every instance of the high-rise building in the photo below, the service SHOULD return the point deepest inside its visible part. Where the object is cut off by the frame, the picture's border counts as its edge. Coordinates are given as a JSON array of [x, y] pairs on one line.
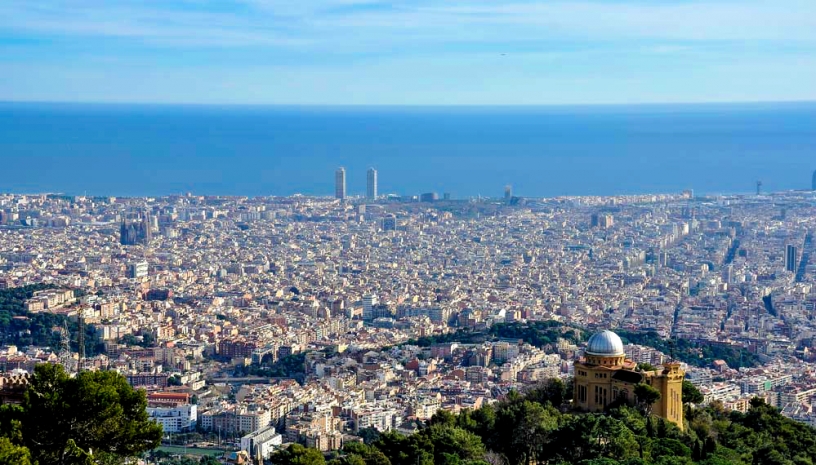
[[137, 270], [790, 258], [369, 301], [340, 183], [371, 184], [728, 274], [508, 193], [813, 181]]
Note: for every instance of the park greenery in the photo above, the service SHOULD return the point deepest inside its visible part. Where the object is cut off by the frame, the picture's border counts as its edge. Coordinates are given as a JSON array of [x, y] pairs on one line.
[[22, 328], [290, 366], [537, 428], [95, 417], [537, 333], [544, 333], [692, 352]]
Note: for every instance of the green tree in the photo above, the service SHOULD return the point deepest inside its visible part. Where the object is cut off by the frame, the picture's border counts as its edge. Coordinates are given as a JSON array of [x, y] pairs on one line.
[[646, 397], [454, 442], [442, 417], [11, 454], [600, 461], [93, 415], [361, 454], [369, 435], [553, 391], [522, 428], [593, 436], [484, 420], [352, 459], [646, 366], [669, 447], [691, 395], [296, 454]]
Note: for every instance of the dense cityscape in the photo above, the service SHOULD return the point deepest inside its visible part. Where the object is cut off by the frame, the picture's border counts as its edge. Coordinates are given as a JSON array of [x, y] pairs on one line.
[[253, 323]]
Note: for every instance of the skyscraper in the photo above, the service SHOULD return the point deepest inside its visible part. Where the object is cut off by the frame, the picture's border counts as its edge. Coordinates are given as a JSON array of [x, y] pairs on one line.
[[508, 193], [813, 181], [790, 258], [369, 301], [728, 274], [340, 183], [371, 184]]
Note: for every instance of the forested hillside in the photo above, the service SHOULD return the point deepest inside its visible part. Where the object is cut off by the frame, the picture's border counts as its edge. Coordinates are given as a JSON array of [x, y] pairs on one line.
[[535, 428]]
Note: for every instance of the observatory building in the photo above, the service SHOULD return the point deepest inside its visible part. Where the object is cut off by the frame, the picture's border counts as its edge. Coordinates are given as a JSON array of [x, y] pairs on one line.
[[604, 375]]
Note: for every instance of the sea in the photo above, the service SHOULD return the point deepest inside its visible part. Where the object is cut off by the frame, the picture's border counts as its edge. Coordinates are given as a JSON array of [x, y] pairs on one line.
[[542, 151]]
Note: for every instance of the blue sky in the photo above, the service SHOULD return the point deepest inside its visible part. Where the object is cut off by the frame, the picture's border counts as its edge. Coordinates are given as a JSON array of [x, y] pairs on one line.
[[421, 52]]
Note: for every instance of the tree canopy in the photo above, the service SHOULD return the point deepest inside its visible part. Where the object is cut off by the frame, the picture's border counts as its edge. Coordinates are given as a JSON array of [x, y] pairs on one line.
[[296, 454], [93, 417], [530, 428]]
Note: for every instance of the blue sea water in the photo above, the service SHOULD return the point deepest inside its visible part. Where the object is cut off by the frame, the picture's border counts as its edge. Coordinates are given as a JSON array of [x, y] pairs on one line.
[[130, 150]]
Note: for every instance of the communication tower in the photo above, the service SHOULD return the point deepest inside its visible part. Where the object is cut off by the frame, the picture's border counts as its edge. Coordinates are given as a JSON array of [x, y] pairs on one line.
[[66, 357]]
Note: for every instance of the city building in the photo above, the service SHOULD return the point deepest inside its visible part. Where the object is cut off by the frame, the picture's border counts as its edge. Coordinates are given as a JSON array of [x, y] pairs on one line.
[[261, 443], [429, 197], [236, 420], [340, 183], [137, 232], [369, 301], [790, 258], [603, 221], [137, 270], [174, 419], [371, 184], [13, 387], [389, 223], [604, 375]]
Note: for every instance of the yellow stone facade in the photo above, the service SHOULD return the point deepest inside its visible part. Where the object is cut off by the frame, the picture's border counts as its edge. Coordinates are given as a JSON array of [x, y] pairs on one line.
[[604, 375]]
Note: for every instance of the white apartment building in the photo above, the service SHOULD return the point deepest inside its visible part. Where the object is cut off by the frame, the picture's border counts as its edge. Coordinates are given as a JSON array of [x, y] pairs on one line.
[[261, 443], [174, 419]]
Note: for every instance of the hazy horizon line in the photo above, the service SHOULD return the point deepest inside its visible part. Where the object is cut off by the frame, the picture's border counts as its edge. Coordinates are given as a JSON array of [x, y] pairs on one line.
[[361, 196]]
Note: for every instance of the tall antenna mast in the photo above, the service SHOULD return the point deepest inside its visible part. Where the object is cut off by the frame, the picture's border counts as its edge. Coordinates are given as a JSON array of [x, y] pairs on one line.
[[65, 355], [81, 339], [671, 349]]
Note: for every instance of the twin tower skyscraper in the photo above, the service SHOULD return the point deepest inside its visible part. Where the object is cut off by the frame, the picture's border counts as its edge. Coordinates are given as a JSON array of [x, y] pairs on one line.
[[340, 184]]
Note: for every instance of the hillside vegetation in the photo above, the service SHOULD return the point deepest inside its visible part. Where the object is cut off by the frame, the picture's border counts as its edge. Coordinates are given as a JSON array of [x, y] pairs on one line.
[[532, 428]]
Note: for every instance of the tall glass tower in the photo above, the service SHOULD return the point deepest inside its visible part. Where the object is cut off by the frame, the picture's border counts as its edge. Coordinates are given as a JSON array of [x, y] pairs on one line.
[[371, 184], [340, 183], [790, 258]]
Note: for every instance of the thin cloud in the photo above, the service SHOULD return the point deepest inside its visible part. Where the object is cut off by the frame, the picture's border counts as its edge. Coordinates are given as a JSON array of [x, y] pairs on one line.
[[370, 25]]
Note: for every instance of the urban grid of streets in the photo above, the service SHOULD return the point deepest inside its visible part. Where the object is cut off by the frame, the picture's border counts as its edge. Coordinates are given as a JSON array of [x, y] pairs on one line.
[[232, 282]]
